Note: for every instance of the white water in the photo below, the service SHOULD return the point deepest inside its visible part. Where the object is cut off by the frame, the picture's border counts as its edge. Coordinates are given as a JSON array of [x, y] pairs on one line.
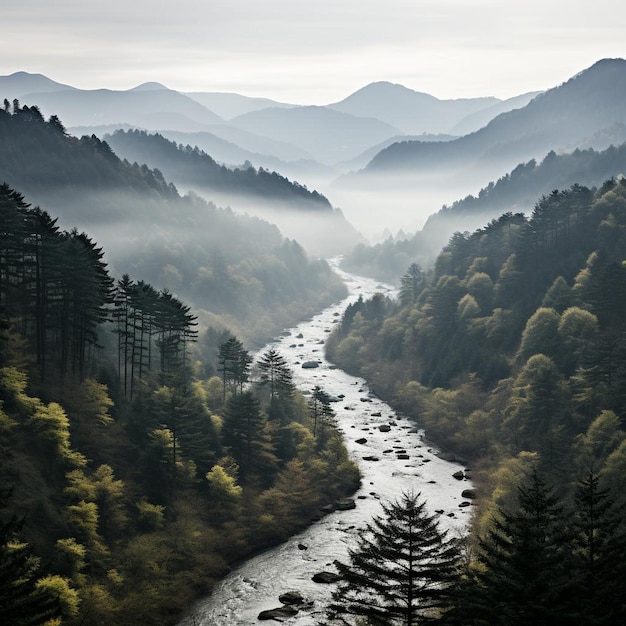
[[257, 583]]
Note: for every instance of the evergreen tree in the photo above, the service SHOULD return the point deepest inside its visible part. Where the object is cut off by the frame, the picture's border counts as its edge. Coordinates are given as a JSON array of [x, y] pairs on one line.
[[22, 601], [244, 434], [523, 573], [411, 285], [599, 547], [401, 570]]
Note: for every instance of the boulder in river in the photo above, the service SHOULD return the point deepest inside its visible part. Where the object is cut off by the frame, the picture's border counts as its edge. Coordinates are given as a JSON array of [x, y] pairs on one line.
[[310, 364], [325, 577], [384, 428], [370, 458], [345, 504], [278, 614], [291, 597], [458, 475], [361, 441], [468, 493]]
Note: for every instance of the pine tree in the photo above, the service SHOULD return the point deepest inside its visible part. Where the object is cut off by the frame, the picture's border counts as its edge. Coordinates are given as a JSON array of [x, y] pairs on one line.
[[22, 601], [411, 285], [522, 576], [401, 570], [599, 548]]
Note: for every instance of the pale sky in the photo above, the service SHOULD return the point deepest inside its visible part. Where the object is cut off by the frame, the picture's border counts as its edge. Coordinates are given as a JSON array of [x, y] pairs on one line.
[[314, 52]]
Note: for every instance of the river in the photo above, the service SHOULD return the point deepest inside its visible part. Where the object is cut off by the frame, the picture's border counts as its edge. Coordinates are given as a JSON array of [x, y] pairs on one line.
[[256, 584]]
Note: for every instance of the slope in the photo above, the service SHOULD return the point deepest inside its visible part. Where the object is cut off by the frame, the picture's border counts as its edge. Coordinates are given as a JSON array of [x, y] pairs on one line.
[[558, 119], [235, 270], [411, 111], [329, 136]]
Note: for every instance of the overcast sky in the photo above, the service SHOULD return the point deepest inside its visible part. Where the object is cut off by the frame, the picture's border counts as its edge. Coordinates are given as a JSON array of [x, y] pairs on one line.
[[313, 52]]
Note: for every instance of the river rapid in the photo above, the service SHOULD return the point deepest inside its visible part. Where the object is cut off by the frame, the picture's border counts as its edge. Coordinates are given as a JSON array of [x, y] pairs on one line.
[[256, 584]]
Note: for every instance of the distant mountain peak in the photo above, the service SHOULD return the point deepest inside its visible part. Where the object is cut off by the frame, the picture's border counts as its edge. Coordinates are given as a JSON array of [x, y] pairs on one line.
[[150, 86]]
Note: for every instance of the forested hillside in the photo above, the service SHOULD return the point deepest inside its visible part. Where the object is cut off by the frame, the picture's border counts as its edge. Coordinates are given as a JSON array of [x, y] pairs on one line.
[[235, 270], [189, 167], [132, 470], [511, 353], [516, 191]]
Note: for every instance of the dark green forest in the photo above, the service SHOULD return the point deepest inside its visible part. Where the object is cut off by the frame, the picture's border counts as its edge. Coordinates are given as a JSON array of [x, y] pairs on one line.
[[511, 354], [236, 271], [131, 478]]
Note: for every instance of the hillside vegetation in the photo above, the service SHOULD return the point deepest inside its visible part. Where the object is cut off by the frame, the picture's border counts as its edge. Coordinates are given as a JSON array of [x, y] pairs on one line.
[[513, 347], [133, 469], [511, 355], [516, 191], [235, 270]]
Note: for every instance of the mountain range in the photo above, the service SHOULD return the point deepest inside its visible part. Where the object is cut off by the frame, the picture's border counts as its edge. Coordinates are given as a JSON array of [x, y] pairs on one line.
[[386, 154], [330, 134]]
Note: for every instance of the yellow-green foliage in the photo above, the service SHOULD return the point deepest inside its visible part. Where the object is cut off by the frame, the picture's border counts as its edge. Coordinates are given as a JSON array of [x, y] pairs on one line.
[[151, 516], [68, 596], [70, 559]]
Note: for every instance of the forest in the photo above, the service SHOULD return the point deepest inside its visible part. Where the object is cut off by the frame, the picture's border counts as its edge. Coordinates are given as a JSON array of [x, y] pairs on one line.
[[187, 165], [138, 460], [511, 354], [144, 449], [236, 271], [516, 191]]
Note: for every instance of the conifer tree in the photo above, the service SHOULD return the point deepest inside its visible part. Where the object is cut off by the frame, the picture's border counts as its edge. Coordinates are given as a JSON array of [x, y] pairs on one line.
[[599, 548], [22, 601], [523, 576], [401, 570]]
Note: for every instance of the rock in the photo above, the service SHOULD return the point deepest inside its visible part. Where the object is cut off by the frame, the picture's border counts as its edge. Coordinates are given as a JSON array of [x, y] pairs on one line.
[[362, 440], [464, 504], [458, 475], [377, 414], [310, 364], [468, 493], [325, 577], [384, 428], [345, 504], [447, 456], [291, 597], [402, 457], [301, 546], [299, 336], [370, 458], [278, 614]]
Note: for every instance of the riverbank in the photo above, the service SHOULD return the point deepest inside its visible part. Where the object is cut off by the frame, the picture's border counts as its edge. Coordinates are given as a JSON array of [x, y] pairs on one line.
[[392, 455]]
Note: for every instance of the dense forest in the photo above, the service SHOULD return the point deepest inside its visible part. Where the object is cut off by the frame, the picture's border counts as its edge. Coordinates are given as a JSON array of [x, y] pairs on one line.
[[188, 166], [235, 270], [516, 191], [130, 477], [511, 354]]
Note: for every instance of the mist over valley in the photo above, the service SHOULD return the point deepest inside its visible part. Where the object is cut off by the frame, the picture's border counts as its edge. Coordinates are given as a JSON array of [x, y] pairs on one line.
[[230, 323]]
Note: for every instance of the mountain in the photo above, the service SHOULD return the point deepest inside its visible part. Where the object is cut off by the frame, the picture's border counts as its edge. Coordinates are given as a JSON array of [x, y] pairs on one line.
[[151, 108], [411, 111], [191, 168], [328, 136], [230, 105], [365, 157], [558, 119], [304, 215], [236, 270], [20, 84], [518, 191], [477, 120]]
